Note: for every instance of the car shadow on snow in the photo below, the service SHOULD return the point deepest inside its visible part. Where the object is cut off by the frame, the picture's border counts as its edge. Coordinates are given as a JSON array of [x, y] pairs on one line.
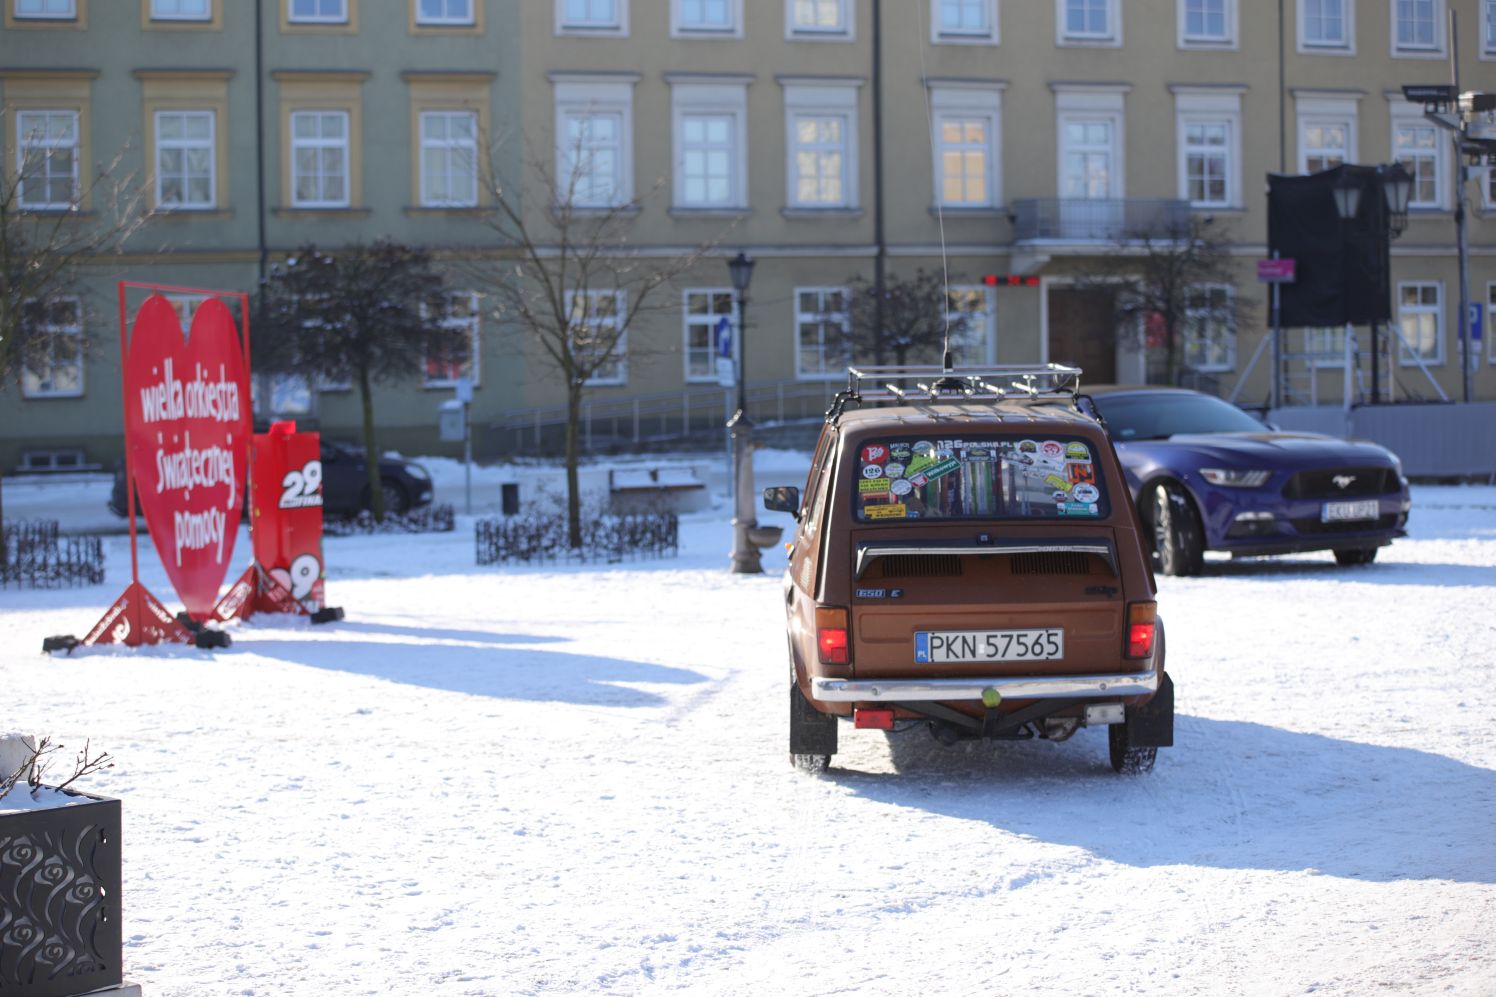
[[500, 672], [1230, 794], [443, 633], [1382, 572]]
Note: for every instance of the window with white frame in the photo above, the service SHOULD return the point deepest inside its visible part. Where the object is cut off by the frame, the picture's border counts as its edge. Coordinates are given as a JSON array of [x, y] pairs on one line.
[[819, 17], [47, 159], [1089, 21], [1490, 329], [1416, 25], [54, 368], [1088, 160], [181, 10], [967, 146], [591, 15], [1488, 27], [598, 339], [709, 313], [1325, 345], [822, 332], [594, 144], [1420, 316], [1209, 129], [711, 164], [969, 312], [444, 12], [706, 17], [1207, 22], [457, 353], [49, 9], [317, 11], [1419, 146], [964, 21], [1327, 133], [319, 159], [186, 174], [449, 159], [822, 146], [1326, 25], [1209, 333]]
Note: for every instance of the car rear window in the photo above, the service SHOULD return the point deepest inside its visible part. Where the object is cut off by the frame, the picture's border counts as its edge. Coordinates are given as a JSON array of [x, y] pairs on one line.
[[978, 477]]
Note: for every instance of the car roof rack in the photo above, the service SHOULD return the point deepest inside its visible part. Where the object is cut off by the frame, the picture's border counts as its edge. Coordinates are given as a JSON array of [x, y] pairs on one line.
[[930, 385]]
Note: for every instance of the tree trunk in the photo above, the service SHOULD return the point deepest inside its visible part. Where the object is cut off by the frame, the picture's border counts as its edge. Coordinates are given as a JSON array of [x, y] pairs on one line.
[[1171, 355], [371, 452], [573, 498]]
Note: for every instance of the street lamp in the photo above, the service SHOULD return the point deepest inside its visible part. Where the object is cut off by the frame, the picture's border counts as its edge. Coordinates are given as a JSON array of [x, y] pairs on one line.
[[1397, 187], [1390, 220], [745, 557]]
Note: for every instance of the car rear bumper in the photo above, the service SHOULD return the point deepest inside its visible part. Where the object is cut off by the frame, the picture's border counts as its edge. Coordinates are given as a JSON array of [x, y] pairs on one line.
[[833, 690]]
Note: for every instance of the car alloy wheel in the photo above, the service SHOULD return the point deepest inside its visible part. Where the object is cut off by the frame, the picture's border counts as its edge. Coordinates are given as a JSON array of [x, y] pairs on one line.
[[1178, 543]]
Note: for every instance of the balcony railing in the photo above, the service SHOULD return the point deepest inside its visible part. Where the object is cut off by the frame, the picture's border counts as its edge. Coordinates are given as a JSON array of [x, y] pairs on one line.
[[1054, 219]]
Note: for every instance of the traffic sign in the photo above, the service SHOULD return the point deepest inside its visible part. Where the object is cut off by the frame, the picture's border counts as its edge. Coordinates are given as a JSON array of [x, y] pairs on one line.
[[1477, 312]]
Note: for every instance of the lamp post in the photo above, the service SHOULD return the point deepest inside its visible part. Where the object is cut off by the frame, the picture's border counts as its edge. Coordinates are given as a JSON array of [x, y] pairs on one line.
[[745, 557], [1396, 186]]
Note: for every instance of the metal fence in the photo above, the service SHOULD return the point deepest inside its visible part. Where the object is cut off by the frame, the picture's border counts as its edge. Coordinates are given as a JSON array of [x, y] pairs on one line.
[[1433, 440], [36, 555], [1043, 219], [542, 539], [432, 519]]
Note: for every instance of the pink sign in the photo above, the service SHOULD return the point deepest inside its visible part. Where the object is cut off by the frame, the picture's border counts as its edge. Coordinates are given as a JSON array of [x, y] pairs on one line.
[[1275, 271], [187, 425]]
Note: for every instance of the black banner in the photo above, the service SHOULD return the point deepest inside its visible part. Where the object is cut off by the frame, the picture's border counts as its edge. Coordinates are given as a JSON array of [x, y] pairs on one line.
[[1342, 267]]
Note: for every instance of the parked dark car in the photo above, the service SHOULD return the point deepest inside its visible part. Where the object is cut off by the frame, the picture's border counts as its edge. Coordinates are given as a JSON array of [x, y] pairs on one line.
[[345, 483], [1207, 476]]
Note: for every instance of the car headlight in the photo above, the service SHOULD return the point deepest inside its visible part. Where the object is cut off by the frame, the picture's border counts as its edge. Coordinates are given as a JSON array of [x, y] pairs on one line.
[[418, 472], [1231, 477]]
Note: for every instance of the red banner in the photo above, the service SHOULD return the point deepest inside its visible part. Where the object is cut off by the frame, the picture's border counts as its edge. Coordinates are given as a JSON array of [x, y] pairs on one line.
[[187, 425], [286, 511]]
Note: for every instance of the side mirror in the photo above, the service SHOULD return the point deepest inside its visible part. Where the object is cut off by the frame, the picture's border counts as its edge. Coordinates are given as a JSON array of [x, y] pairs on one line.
[[782, 498]]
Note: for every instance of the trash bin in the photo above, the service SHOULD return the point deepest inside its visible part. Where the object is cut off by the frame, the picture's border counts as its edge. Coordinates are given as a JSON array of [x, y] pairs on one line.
[[509, 497]]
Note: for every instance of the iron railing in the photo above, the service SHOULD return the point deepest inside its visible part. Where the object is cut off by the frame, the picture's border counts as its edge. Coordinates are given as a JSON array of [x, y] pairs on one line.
[[1054, 219]]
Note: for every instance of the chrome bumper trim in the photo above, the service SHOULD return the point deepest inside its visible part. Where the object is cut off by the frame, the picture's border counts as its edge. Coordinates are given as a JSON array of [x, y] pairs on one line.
[[829, 690]]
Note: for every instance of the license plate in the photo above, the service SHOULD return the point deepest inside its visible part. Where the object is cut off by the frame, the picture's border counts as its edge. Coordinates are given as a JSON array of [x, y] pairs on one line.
[[934, 646], [1339, 512]]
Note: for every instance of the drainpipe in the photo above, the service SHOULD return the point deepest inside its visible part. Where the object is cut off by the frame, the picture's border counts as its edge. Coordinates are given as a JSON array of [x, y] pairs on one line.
[[880, 261], [1282, 91], [260, 138]]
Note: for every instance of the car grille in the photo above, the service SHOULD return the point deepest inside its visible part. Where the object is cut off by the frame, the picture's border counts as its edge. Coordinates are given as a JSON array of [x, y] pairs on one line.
[[1314, 526], [1321, 484], [921, 566], [1049, 564]]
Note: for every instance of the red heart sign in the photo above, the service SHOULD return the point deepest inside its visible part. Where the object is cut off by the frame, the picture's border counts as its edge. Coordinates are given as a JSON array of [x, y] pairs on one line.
[[187, 424]]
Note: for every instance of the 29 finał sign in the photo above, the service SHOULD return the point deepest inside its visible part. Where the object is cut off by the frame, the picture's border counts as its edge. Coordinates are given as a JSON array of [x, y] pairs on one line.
[[187, 427]]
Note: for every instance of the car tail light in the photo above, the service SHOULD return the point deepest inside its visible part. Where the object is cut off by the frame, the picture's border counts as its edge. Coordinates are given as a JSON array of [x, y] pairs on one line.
[[874, 720], [1142, 617], [832, 646]]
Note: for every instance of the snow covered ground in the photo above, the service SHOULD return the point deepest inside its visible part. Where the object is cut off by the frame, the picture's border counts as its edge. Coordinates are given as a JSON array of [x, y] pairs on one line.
[[558, 780]]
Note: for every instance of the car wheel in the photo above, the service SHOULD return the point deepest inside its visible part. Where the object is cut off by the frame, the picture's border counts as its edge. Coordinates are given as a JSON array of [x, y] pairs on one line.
[[1125, 760], [814, 764], [812, 734], [396, 502], [1178, 539], [1349, 557]]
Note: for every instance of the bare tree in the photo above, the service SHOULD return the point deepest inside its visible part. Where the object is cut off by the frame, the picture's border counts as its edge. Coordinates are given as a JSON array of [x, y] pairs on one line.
[[1170, 286], [573, 283], [361, 314], [915, 316]]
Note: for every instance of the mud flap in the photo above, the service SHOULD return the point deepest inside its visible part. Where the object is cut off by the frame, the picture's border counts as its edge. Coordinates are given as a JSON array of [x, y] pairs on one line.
[[1152, 724], [811, 731]]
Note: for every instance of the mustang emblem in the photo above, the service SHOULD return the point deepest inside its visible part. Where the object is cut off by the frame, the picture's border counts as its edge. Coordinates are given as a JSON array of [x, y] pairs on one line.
[[1343, 481]]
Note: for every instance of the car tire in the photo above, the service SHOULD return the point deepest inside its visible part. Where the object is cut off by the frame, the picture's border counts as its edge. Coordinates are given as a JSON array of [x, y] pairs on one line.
[[396, 502], [812, 734], [1126, 760], [1178, 538], [1348, 557]]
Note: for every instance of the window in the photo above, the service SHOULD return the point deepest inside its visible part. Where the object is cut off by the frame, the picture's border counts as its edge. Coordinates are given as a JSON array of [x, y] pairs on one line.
[[1326, 131], [318, 11], [1325, 345], [459, 357], [1089, 22], [54, 369], [592, 15], [706, 17], [1490, 329], [709, 320], [1419, 147], [964, 21], [449, 159], [818, 18], [181, 10], [1326, 24], [1088, 166], [1209, 333], [1421, 319], [822, 332], [1209, 126], [597, 339], [969, 312], [319, 159], [1207, 23], [1488, 27], [49, 9], [821, 142], [966, 145], [594, 144], [1416, 26], [47, 159], [458, 12], [185, 176], [710, 137]]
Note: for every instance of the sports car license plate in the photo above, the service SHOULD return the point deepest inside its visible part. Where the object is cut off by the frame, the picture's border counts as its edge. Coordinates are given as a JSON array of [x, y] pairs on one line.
[[1339, 512], [989, 645]]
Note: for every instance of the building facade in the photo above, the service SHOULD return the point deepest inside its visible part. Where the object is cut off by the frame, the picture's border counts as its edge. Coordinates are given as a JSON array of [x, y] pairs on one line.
[[1016, 146]]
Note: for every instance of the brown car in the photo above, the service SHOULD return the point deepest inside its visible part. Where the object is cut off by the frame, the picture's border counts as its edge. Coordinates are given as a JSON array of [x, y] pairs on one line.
[[967, 557]]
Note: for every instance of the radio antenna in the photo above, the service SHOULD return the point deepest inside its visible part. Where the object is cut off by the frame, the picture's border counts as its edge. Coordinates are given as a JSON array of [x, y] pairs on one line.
[[946, 360]]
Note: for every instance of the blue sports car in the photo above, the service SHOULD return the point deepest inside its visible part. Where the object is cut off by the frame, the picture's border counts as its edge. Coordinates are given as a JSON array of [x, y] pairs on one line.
[[1207, 476]]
